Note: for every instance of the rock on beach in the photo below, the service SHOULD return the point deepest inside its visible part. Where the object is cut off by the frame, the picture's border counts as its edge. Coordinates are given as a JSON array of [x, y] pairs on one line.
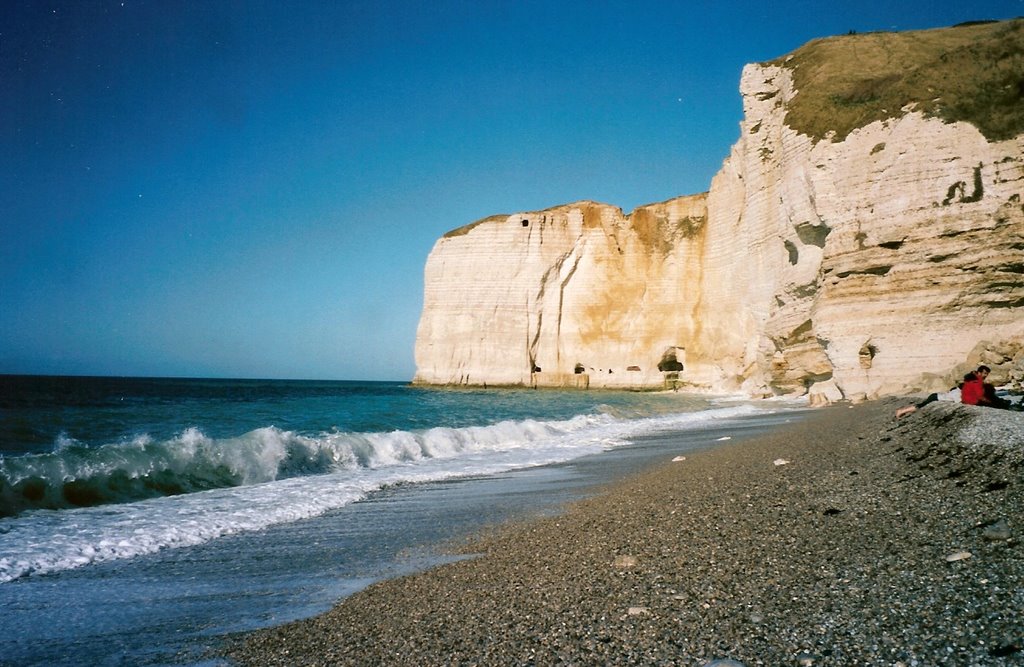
[[839, 558]]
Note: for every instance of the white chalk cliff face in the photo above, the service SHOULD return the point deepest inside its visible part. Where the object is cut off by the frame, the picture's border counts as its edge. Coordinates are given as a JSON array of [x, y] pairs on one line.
[[875, 265], [572, 295]]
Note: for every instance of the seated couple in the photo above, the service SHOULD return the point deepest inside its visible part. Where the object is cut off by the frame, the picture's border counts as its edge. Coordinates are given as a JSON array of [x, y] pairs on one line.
[[973, 391], [976, 391]]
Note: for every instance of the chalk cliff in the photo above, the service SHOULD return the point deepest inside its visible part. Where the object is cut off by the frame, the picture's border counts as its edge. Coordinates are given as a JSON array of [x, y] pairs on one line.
[[864, 257]]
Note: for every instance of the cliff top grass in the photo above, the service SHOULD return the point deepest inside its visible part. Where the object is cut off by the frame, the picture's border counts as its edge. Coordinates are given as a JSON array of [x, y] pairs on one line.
[[971, 72], [465, 229]]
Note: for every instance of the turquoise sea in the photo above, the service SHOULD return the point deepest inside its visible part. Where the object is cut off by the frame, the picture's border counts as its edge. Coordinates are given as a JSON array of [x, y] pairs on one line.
[[143, 520]]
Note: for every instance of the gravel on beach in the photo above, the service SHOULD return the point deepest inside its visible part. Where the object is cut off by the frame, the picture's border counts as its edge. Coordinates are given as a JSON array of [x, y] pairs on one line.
[[845, 538]]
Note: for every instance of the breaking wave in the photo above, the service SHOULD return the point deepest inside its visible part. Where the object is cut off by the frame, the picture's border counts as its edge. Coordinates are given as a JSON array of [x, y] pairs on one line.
[[77, 476], [78, 505]]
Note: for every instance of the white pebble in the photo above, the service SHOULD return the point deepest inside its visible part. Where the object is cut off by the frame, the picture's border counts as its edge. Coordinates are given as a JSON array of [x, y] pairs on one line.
[[625, 561]]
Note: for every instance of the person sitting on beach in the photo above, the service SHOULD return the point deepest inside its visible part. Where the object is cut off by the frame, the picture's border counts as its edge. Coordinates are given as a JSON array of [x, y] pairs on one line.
[[979, 392], [973, 391]]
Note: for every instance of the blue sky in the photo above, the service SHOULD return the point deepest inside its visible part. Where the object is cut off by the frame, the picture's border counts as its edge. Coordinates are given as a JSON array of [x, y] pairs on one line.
[[251, 189]]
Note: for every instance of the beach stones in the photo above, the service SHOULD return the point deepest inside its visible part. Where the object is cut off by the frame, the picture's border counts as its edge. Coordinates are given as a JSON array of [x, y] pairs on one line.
[[997, 531], [958, 556], [871, 582], [624, 562], [805, 659]]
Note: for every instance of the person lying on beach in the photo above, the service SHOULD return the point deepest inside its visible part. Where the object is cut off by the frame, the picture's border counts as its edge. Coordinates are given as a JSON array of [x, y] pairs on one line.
[[974, 390], [954, 394], [907, 409]]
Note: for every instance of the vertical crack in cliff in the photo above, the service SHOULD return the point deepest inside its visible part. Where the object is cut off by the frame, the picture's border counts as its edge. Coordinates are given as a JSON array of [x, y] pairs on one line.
[[533, 338], [531, 342], [561, 302]]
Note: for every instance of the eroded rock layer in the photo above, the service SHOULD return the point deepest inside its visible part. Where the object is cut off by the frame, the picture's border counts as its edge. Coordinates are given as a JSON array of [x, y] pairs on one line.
[[883, 263], [575, 295]]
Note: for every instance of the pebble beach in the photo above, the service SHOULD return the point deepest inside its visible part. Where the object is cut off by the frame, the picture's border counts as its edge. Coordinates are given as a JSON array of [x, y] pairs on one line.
[[848, 537]]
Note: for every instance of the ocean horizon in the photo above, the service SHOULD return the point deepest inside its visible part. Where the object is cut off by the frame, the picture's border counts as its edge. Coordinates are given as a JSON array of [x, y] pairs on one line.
[[142, 520]]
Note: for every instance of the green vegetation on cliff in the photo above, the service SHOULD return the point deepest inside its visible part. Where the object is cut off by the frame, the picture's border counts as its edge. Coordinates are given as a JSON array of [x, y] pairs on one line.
[[972, 73], [465, 229]]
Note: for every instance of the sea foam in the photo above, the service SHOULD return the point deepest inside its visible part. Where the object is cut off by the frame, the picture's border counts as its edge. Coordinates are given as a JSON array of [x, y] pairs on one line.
[[192, 489]]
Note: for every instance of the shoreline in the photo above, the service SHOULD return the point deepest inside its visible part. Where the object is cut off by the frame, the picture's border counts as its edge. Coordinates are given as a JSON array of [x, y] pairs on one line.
[[839, 539]]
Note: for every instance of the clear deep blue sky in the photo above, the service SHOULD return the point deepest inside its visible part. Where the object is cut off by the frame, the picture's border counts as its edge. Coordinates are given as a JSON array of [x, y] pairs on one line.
[[251, 189]]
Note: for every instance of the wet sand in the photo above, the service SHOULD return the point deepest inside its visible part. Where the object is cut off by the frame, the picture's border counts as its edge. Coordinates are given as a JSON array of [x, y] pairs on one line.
[[846, 538]]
